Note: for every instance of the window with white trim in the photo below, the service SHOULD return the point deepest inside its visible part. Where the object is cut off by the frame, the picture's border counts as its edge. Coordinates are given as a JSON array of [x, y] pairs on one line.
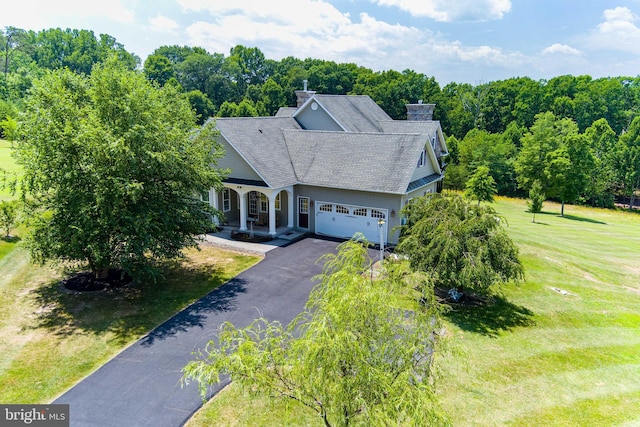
[[277, 203], [264, 203], [226, 200], [423, 158], [253, 203]]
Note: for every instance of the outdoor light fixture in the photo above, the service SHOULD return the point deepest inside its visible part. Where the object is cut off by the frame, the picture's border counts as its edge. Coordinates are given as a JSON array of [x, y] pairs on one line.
[[381, 227]]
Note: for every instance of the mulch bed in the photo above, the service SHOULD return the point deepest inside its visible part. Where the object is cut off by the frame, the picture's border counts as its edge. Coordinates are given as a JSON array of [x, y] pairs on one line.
[[86, 281], [246, 237]]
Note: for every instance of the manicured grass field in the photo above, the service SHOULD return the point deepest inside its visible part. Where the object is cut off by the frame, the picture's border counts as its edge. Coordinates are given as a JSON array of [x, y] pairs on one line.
[[8, 164], [51, 338], [561, 349]]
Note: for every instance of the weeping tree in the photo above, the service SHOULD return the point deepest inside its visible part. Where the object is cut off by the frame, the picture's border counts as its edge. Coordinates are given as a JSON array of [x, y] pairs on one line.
[[460, 245], [352, 355], [115, 166]]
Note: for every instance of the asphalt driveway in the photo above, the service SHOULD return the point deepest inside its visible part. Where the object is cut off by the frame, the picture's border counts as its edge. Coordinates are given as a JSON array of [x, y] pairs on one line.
[[141, 385]]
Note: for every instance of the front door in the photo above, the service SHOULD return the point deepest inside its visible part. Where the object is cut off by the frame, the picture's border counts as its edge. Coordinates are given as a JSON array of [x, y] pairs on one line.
[[303, 212]]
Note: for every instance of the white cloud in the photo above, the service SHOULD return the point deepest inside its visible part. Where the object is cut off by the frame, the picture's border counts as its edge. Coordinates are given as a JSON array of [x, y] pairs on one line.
[[560, 49], [452, 11], [37, 14], [163, 24], [617, 32], [302, 29]]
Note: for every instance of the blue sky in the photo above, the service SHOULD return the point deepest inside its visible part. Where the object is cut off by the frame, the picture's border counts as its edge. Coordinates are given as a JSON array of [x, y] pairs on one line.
[[466, 41]]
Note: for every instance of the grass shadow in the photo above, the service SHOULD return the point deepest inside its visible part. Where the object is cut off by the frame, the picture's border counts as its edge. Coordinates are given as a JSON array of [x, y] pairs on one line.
[[11, 239], [497, 315], [582, 219], [131, 311]]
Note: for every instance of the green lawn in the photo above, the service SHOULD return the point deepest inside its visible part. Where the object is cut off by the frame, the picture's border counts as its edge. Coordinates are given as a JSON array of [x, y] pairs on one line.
[[561, 349], [51, 338]]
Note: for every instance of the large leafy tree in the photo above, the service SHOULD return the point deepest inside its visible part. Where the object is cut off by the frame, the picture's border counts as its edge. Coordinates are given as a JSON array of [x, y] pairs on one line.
[[351, 356], [459, 245], [568, 169], [113, 163], [544, 137], [627, 161]]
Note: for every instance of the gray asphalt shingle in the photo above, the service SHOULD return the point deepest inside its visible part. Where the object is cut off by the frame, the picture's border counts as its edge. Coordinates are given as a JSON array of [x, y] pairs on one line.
[[375, 154]]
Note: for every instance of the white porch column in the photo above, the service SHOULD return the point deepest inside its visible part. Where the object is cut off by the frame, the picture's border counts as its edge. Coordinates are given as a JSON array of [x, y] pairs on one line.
[[243, 211], [272, 214], [213, 202], [290, 206]]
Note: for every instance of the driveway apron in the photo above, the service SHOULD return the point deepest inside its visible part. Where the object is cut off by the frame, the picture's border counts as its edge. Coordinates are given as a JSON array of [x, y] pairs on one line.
[[141, 385]]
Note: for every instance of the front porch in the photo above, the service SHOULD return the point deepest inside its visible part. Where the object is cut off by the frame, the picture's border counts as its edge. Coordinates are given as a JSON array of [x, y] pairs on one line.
[[258, 233], [255, 209]]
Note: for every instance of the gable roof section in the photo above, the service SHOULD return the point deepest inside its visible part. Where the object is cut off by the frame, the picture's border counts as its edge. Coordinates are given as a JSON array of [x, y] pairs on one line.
[[354, 113], [260, 142], [354, 161]]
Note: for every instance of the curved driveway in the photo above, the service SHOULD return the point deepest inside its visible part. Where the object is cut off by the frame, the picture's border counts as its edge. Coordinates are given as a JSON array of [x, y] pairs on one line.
[[141, 385]]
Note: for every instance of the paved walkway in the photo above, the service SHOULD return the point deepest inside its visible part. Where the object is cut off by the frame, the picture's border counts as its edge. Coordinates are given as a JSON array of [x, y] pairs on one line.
[[141, 386]]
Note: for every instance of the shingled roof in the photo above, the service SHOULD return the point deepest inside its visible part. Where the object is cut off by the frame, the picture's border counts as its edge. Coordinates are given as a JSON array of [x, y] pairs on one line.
[[355, 113], [259, 140], [374, 153], [354, 161]]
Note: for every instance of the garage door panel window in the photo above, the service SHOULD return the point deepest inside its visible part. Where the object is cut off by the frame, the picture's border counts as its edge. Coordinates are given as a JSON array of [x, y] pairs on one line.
[[360, 212], [326, 208], [342, 209], [377, 214]]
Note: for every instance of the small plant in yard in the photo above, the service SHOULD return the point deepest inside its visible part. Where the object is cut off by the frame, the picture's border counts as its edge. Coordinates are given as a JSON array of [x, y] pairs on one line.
[[536, 199], [9, 214]]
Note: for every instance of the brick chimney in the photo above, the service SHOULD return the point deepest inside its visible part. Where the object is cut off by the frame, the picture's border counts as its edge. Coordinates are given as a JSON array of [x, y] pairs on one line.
[[420, 111], [303, 95]]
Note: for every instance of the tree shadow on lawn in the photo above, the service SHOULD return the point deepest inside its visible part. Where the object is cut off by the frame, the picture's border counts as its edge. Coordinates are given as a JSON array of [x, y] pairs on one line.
[[131, 311], [497, 315], [571, 217]]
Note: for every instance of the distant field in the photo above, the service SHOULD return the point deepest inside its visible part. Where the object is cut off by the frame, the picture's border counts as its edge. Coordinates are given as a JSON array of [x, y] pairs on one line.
[[562, 349], [8, 164]]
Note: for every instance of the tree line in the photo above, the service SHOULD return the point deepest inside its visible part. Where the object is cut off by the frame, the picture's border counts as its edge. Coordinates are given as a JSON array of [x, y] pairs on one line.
[[575, 134]]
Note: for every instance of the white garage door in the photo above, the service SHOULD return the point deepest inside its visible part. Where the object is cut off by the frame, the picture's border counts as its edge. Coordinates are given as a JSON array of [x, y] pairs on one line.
[[338, 220]]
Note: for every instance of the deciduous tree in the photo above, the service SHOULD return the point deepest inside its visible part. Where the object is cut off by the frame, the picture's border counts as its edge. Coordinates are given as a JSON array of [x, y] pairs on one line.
[[351, 356], [481, 186], [536, 199], [116, 166]]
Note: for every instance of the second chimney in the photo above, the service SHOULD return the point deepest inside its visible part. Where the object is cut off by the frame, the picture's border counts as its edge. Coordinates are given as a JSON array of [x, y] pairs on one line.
[[420, 111]]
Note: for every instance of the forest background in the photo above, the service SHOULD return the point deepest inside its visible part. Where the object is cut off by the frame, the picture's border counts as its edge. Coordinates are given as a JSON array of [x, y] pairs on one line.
[[578, 136]]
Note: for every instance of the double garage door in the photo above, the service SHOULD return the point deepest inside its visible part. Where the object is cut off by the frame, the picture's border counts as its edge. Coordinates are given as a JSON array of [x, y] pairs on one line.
[[338, 220]]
